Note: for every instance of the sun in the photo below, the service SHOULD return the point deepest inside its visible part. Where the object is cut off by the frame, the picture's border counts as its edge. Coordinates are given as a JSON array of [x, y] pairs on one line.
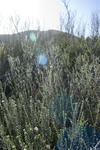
[[44, 13]]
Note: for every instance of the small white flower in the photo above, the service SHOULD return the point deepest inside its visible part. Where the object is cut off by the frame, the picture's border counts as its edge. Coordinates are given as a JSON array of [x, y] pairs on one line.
[[36, 129], [51, 66], [3, 101], [48, 146], [13, 146], [30, 129]]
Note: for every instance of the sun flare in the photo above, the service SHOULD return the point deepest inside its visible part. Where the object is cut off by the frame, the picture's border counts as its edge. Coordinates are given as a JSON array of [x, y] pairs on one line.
[[39, 12]]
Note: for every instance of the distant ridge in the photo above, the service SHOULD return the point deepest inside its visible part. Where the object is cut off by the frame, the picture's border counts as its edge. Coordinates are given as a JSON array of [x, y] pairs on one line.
[[21, 35]]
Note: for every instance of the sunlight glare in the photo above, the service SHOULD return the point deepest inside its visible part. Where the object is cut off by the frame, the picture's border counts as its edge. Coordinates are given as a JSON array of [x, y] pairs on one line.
[[42, 59], [32, 37], [42, 11]]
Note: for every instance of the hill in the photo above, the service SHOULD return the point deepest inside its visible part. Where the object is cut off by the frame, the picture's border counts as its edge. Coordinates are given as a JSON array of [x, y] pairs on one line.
[[47, 78]]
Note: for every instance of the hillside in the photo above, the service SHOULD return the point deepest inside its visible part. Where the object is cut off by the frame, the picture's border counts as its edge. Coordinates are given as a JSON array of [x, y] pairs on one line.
[[49, 86], [45, 35]]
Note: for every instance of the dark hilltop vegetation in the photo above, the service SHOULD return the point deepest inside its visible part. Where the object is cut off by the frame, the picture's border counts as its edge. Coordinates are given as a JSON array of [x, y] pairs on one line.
[[49, 91]]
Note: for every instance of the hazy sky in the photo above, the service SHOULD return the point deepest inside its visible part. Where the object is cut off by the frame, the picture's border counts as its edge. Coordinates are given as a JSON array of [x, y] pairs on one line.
[[85, 7], [44, 11]]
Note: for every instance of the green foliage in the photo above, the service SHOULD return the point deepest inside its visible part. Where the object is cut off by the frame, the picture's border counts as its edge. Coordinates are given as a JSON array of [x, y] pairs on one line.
[[35, 100], [19, 119]]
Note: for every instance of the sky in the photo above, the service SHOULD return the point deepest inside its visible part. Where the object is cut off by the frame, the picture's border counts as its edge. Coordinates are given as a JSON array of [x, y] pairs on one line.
[[43, 13], [85, 8]]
